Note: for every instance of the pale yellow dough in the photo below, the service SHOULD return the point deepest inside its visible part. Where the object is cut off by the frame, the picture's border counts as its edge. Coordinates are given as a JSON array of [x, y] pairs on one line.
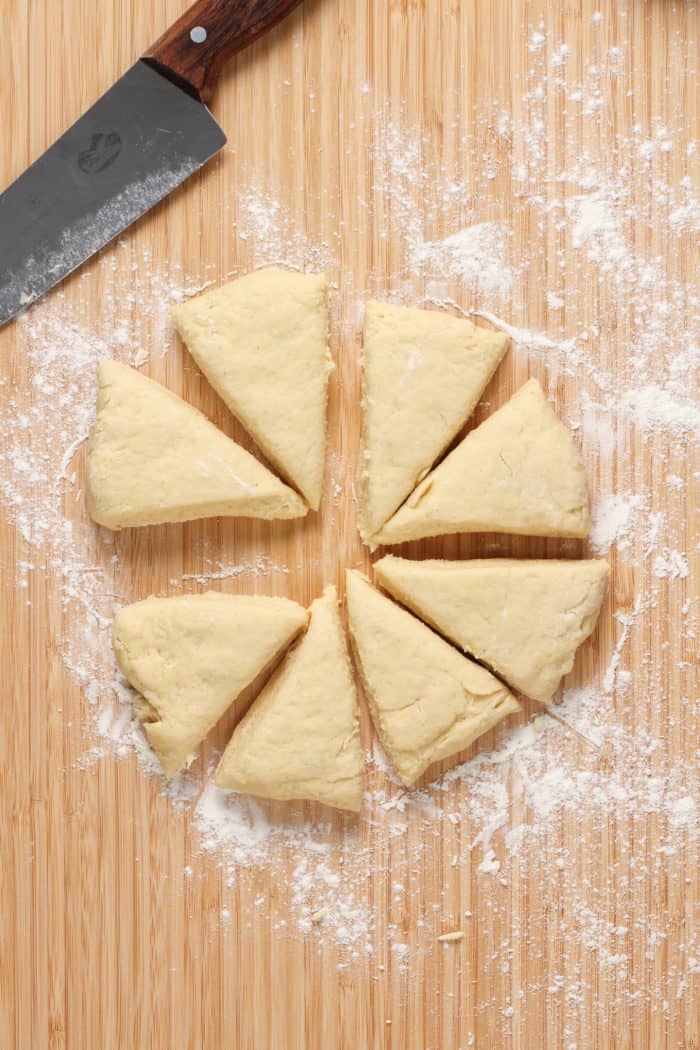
[[519, 472], [262, 342], [190, 657], [153, 458], [525, 619], [301, 737], [423, 374], [427, 701]]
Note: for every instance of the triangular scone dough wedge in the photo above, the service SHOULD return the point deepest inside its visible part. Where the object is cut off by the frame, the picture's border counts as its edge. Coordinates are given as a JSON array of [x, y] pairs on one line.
[[519, 472], [262, 342], [525, 619], [153, 458], [301, 737], [190, 657], [426, 699], [423, 374]]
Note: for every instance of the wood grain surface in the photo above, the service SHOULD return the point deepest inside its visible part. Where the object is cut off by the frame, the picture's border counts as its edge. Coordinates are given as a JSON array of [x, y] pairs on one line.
[[105, 941]]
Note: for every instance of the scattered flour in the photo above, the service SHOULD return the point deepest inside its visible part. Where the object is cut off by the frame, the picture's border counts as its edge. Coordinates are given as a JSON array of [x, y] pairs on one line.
[[613, 520], [475, 254], [260, 566], [236, 823], [526, 337], [659, 407], [592, 761], [670, 565]]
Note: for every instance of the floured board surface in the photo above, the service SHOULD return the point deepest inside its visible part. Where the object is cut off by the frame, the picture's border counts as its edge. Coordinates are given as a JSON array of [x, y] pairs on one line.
[[536, 167]]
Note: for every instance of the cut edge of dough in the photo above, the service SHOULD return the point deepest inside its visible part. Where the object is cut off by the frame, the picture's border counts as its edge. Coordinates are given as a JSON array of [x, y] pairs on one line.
[[311, 500], [370, 539]]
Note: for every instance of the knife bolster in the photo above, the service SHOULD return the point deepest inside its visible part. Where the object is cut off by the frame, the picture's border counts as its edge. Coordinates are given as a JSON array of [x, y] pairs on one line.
[[193, 50]]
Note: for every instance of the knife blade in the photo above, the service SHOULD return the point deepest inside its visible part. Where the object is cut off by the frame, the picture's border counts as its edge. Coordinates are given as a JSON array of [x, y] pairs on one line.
[[137, 143]]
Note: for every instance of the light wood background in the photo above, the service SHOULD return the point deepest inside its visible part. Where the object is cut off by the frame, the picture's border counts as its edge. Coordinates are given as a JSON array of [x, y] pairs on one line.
[[103, 941]]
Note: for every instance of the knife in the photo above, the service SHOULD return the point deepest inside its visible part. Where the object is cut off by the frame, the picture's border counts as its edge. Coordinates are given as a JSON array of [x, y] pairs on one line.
[[144, 137]]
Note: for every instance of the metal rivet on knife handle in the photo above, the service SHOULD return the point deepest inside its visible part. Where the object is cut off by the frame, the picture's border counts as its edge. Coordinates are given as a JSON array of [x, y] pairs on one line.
[[231, 25]]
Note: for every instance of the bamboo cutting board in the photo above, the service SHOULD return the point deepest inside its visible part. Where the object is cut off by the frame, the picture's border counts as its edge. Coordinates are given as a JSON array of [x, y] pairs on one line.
[[116, 931]]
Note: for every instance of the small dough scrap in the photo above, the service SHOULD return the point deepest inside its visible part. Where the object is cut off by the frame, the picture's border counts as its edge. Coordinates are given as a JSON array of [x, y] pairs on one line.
[[519, 472], [423, 374], [525, 619], [301, 737], [262, 342], [426, 699], [153, 458], [190, 657]]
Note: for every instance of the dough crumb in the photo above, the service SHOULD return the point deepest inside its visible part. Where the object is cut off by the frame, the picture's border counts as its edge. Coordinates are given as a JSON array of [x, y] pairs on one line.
[[449, 938], [319, 916]]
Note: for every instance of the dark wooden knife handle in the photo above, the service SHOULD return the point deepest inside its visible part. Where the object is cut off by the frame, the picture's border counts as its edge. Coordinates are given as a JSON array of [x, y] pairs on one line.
[[195, 48]]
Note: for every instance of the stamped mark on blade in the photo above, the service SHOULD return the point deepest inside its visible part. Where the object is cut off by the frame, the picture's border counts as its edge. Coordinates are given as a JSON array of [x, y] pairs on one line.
[[132, 148], [102, 151]]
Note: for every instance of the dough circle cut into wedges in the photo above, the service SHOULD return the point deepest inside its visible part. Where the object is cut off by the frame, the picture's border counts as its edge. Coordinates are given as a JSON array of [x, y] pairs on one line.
[[262, 342], [153, 458], [427, 700], [190, 657], [519, 472], [301, 737], [525, 619], [423, 374]]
